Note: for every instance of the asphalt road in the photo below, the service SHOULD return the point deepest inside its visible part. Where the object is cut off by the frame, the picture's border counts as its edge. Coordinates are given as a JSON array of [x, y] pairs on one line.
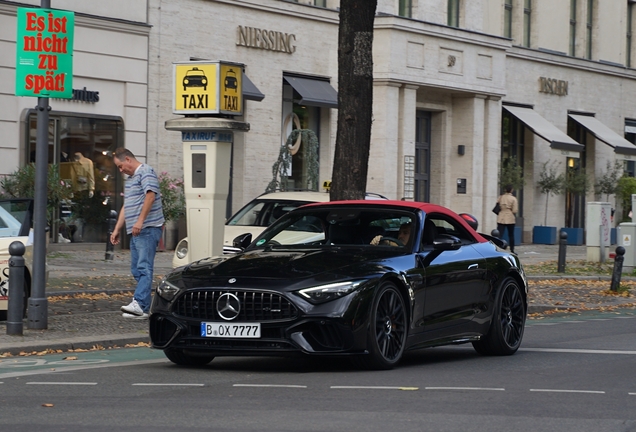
[[571, 374]]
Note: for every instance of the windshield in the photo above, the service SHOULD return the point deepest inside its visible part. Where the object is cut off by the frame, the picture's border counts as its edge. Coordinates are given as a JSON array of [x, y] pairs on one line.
[[341, 226], [263, 212]]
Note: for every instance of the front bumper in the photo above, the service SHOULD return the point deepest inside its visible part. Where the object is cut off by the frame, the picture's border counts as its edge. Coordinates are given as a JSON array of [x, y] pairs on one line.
[[286, 327]]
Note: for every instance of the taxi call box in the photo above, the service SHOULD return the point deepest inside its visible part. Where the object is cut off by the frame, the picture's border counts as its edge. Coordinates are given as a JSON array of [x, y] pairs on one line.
[[203, 87]]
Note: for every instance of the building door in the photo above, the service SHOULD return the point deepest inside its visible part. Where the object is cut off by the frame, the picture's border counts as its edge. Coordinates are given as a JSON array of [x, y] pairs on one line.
[[422, 174], [575, 201]]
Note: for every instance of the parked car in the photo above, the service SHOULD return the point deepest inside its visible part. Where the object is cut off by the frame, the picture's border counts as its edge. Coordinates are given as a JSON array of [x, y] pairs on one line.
[[255, 216], [16, 217], [367, 279]]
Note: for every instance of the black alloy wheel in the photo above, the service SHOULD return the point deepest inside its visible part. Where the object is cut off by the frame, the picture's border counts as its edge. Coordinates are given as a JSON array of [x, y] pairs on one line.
[[177, 356], [388, 329], [508, 322]]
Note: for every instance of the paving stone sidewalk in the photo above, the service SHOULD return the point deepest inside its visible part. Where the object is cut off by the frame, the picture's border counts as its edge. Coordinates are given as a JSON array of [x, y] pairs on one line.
[[85, 293]]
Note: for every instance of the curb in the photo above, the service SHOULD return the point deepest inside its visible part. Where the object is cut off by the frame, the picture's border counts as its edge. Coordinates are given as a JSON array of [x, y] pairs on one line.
[[88, 342]]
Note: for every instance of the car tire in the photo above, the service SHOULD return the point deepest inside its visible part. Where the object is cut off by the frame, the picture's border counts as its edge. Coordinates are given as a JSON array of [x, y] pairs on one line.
[[178, 357], [507, 324], [388, 329]]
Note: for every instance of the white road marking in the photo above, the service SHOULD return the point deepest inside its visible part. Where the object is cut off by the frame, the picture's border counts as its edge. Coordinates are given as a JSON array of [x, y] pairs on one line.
[[168, 384], [60, 383], [567, 391], [632, 394], [270, 385], [372, 388], [578, 351], [465, 388]]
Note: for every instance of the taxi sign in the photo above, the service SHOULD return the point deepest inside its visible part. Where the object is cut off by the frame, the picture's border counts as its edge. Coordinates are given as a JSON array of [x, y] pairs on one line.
[[208, 88]]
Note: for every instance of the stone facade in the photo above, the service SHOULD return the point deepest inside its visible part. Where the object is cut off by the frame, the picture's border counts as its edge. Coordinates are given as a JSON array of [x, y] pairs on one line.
[[461, 78]]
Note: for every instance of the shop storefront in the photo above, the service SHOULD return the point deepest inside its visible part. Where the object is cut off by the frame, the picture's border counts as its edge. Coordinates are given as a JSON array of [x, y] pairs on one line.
[[108, 109]]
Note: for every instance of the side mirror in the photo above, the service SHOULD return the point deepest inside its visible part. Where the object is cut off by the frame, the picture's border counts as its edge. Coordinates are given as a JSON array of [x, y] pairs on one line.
[[446, 242], [242, 241]]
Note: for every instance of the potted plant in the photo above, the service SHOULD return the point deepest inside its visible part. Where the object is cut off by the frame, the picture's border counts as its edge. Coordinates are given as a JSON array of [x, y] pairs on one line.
[[576, 182], [607, 184], [21, 184], [174, 207], [550, 182]]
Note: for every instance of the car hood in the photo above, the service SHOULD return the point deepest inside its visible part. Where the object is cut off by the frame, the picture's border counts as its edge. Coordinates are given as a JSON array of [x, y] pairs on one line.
[[287, 266]]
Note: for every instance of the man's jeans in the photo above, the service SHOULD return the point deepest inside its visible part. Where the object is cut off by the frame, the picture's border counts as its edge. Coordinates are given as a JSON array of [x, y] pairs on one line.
[[142, 260]]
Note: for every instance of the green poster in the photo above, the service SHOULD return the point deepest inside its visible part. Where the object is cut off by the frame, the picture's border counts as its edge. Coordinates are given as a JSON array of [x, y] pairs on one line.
[[44, 60]]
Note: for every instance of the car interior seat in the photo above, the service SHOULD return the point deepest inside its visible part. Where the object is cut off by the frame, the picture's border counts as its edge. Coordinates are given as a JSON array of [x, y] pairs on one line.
[[429, 233], [343, 233]]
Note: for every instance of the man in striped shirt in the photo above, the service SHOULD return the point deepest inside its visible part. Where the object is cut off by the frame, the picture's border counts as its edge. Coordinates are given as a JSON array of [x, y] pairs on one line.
[[143, 216]]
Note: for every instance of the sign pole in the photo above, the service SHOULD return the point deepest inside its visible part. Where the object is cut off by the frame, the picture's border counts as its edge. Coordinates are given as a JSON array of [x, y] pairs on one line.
[[38, 304]]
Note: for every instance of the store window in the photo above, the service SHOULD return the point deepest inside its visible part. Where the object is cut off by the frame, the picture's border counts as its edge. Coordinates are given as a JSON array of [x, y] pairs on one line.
[[508, 19], [527, 20], [630, 135], [629, 46], [305, 100], [588, 29], [572, 50], [405, 8], [82, 146], [575, 202], [513, 133], [453, 13]]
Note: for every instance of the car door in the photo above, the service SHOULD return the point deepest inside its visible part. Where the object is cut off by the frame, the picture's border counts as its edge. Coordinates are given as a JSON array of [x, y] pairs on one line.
[[455, 282]]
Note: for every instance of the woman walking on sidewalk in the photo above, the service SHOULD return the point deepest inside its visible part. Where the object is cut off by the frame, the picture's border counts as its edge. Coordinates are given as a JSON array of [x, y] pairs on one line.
[[506, 217], [143, 216]]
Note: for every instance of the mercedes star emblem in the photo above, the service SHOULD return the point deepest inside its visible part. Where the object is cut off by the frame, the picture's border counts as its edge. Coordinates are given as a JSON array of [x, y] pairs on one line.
[[228, 306]]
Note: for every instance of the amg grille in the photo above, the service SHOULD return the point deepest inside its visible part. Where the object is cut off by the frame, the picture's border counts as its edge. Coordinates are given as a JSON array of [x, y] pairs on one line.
[[259, 306]]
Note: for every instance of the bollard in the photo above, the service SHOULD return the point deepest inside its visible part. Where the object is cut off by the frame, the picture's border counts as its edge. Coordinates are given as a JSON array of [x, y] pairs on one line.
[[601, 239], [15, 312], [495, 233], [563, 244], [110, 248], [618, 268]]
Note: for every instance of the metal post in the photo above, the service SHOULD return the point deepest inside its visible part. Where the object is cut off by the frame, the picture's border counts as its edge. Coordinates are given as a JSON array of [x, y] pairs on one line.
[[15, 313], [601, 240], [563, 244], [495, 233], [110, 248], [618, 268], [38, 302]]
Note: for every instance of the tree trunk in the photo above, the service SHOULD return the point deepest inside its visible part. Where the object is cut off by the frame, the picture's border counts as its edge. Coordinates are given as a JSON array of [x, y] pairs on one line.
[[355, 99]]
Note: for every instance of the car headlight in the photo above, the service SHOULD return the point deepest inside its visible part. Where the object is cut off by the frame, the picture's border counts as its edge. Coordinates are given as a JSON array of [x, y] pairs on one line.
[[167, 290], [186, 81], [325, 293], [203, 81], [182, 249]]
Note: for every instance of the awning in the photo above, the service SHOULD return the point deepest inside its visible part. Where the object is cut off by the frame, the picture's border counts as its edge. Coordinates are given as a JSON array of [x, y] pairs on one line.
[[250, 91], [605, 134], [314, 92], [546, 130]]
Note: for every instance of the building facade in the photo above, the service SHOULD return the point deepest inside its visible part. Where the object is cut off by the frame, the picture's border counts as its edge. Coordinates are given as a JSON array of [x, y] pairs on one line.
[[462, 87]]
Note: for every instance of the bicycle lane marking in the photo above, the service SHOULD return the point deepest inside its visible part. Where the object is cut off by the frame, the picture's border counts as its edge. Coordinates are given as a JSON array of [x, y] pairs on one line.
[[53, 363]]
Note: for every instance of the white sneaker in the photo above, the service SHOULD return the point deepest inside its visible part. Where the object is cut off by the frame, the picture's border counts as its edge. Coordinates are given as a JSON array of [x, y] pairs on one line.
[[133, 308], [138, 317]]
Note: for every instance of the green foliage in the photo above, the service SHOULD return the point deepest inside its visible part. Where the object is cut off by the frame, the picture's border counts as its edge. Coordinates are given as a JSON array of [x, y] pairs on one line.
[[282, 165], [607, 183], [626, 187], [21, 184], [511, 173], [576, 181], [172, 197], [550, 182]]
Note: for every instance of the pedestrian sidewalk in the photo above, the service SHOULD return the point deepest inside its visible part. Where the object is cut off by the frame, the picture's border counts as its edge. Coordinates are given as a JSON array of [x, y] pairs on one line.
[[79, 318]]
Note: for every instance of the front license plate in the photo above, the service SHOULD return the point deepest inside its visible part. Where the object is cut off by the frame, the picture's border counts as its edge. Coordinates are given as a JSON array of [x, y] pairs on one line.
[[234, 330]]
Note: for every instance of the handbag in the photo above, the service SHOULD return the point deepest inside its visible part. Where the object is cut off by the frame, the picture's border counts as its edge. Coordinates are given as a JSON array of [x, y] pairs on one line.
[[496, 209]]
